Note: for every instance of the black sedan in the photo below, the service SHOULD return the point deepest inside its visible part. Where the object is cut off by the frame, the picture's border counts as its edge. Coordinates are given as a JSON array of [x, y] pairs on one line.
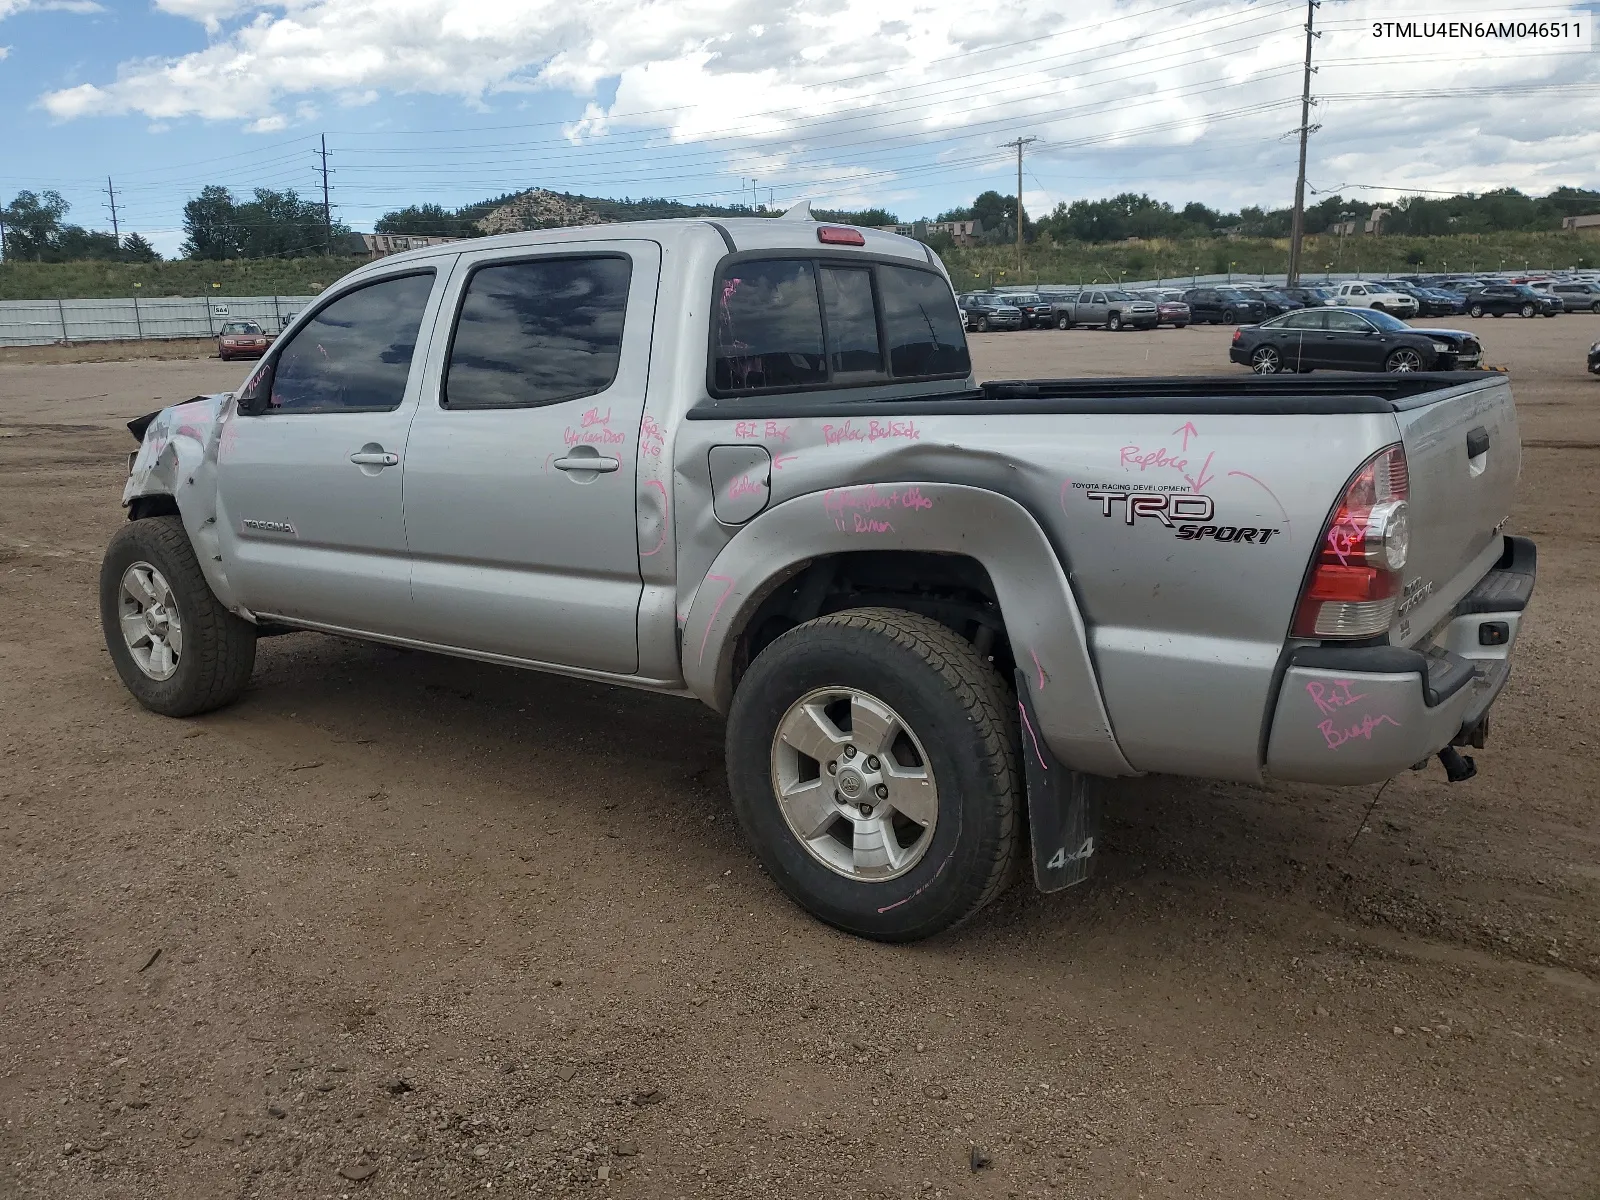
[[1498, 299], [1594, 359], [1351, 339]]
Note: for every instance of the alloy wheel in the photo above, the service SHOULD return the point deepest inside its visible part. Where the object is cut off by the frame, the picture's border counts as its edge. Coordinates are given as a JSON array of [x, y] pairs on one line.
[[147, 612], [1404, 361], [854, 784], [1265, 361]]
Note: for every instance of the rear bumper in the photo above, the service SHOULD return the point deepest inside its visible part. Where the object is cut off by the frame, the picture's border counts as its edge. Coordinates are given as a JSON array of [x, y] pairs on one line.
[[1348, 715]]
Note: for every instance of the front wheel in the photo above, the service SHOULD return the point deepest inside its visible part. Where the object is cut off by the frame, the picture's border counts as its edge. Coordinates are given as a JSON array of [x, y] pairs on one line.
[[1403, 361], [1229, 317], [983, 324], [1266, 361], [1181, 325], [1063, 322], [178, 650], [872, 761], [1526, 311], [1475, 311], [1114, 322]]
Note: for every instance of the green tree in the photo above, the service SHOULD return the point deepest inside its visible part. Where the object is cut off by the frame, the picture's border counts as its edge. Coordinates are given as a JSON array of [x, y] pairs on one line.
[[428, 220], [211, 224], [33, 224], [74, 243], [136, 249]]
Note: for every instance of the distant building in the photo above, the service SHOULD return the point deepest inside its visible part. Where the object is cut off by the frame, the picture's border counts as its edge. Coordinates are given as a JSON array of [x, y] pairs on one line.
[[963, 233], [1589, 223], [1373, 224], [380, 245]]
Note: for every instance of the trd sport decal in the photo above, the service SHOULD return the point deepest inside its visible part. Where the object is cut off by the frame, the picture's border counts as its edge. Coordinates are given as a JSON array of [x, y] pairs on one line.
[[1190, 512]]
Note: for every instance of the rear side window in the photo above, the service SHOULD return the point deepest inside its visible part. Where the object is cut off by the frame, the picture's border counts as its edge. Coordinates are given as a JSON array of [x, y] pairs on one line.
[[792, 324], [355, 354], [538, 332], [923, 328]]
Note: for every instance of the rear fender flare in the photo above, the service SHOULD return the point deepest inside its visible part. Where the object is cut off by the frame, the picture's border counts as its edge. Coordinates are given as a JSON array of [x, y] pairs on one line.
[[1041, 615]]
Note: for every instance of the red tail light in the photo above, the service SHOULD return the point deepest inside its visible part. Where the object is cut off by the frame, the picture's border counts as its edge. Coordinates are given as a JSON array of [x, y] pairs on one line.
[[1237, 334], [1355, 579], [838, 235]]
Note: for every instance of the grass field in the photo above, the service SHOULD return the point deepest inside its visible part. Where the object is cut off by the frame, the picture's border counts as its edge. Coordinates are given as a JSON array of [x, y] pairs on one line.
[[1042, 263]]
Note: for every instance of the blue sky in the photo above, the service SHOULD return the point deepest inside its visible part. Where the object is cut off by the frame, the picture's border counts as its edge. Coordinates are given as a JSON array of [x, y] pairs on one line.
[[847, 102]]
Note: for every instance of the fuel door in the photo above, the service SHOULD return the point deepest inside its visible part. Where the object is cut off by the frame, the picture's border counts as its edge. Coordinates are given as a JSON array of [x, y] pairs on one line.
[[741, 482]]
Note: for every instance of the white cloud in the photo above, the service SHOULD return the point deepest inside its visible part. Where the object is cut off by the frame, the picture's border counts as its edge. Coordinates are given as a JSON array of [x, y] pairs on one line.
[[863, 101], [12, 7]]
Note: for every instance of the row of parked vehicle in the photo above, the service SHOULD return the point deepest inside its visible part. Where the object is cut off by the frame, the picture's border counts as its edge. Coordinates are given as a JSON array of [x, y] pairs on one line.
[[1248, 304]]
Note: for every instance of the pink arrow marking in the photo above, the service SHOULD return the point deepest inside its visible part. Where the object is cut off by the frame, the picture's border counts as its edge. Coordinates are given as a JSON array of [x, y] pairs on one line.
[[1188, 430], [1199, 484]]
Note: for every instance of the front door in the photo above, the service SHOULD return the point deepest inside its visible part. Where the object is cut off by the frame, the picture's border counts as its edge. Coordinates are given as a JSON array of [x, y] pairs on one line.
[[1350, 343], [520, 472], [309, 489]]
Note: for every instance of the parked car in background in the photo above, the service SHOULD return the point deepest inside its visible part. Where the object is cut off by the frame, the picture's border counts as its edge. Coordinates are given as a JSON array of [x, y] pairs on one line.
[[1035, 309], [1170, 308], [1498, 299], [1344, 339], [241, 339], [1310, 297], [984, 311], [1575, 296], [1276, 300], [1227, 305], [1369, 295], [1428, 304], [1110, 307], [1594, 359]]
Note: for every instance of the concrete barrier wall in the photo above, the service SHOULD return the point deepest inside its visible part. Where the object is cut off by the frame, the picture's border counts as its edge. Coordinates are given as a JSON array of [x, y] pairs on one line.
[[43, 322]]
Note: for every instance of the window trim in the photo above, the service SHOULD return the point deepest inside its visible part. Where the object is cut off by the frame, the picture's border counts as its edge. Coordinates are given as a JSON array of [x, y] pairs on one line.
[[266, 372], [461, 303], [819, 261]]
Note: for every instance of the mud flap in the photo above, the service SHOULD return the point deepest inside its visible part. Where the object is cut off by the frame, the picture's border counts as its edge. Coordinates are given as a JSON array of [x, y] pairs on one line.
[[1063, 807]]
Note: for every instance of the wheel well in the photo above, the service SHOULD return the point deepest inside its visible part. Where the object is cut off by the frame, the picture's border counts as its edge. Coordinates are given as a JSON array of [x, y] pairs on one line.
[[152, 506], [953, 589]]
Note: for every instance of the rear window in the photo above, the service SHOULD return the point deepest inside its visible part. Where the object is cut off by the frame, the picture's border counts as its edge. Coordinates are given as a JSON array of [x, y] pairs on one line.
[[791, 324]]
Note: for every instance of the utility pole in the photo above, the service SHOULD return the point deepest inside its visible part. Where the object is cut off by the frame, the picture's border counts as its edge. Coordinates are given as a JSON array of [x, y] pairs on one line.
[[327, 209], [1018, 146], [112, 193], [1297, 231]]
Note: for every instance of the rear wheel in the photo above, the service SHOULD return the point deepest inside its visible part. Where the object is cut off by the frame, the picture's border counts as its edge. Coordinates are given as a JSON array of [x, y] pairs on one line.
[[1475, 311], [178, 650], [872, 761], [1266, 361], [1403, 361]]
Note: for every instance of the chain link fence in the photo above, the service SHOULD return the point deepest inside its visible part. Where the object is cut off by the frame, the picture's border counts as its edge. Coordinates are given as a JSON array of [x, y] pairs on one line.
[[51, 322]]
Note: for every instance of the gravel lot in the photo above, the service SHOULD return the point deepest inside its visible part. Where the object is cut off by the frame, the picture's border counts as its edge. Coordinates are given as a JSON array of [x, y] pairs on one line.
[[401, 925]]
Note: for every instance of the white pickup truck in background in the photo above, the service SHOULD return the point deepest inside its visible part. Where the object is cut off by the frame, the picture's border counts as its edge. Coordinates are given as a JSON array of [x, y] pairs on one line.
[[1370, 295]]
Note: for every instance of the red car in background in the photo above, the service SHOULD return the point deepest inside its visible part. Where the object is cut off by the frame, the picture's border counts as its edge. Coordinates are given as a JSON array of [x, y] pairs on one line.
[[241, 339], [1170, 308]]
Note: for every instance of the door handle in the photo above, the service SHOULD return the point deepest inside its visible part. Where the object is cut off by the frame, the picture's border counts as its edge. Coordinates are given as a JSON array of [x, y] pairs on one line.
[[374, 458], [586, 462]]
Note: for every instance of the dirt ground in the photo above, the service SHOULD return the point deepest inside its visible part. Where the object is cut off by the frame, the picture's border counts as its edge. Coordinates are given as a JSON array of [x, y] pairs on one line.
[[405, 926]]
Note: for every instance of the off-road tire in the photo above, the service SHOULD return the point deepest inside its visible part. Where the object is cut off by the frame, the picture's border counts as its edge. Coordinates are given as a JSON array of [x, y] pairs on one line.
[[960, 711], [219, 649]]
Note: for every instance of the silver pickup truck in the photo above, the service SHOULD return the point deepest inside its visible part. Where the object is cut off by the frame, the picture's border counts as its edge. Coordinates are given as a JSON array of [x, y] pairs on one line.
[[1109, 307], [746, 461]]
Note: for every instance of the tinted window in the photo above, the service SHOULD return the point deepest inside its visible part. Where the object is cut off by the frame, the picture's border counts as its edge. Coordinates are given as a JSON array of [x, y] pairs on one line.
[[852, 322], [355, 353], [769, 326], [538, 332], [923, 327], [241, 327], [1345, 321], [1312, 319]]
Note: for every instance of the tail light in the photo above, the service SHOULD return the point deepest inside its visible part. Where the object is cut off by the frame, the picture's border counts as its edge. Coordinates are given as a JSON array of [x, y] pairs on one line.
[[1355, 579], [838, 235], [1237, 334]]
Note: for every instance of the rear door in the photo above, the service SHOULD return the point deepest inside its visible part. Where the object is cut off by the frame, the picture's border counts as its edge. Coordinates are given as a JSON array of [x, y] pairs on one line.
[[520, 478], [1299, 339], [312, 526]]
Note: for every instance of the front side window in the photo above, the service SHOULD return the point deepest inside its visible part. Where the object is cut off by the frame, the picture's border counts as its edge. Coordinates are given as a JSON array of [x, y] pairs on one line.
[[1347, 322], [922, 326], [538, 332], [355, 354]]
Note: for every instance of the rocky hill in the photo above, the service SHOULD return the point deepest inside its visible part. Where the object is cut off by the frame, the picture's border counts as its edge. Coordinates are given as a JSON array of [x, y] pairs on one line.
[[539, 209]]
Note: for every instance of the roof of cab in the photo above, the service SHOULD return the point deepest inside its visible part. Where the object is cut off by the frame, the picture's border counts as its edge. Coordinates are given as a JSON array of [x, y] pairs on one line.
[[746, 233]]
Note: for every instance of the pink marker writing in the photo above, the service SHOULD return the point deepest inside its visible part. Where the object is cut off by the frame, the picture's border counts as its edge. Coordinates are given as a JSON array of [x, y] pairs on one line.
[[1338, 737], [1330, 697]]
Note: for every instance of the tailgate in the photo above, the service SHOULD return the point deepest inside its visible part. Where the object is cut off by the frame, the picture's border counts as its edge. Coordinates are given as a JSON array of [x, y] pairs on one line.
[[1464, 457]]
